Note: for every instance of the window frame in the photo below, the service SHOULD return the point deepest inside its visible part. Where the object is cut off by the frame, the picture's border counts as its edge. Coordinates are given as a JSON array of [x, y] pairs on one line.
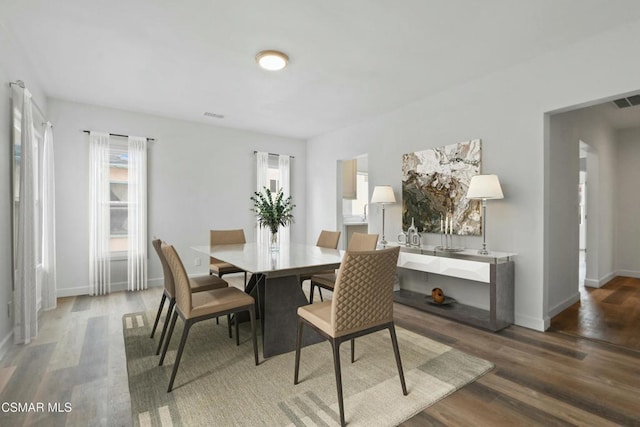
[[118, 148]]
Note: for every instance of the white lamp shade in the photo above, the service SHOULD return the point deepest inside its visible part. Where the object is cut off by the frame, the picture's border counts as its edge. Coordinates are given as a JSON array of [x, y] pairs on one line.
[[485, 187], [383, 194]]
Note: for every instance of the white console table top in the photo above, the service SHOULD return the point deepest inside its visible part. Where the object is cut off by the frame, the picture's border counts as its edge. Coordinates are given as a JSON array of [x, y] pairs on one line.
[[492, 257]]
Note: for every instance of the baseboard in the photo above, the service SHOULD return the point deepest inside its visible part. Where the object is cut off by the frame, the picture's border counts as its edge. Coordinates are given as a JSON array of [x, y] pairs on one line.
[[155, 283], [564, 305], [6, 343], [115, 287], [531, 322], [628, 273], [598, 283], [72, 292], [591, 283]]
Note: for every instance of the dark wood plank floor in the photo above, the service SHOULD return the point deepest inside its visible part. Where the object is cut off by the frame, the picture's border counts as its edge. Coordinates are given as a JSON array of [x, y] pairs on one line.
[[610, 313], [543, 379]]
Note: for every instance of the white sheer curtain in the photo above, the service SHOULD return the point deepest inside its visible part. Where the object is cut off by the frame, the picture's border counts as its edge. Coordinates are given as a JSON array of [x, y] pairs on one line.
[[262, 173], [283, 166], [99, 221], [47, 188], [26, 311], [137, 215]]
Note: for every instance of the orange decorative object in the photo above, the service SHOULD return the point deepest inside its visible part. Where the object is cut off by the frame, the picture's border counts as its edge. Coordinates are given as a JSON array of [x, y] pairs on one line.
[[437, 295]]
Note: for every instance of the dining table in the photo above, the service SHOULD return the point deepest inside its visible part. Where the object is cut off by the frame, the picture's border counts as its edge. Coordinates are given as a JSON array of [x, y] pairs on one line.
[[275, 285]]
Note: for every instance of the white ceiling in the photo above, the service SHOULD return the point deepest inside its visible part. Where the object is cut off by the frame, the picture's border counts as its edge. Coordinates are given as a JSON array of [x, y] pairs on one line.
[[349, 59], [620, 118]]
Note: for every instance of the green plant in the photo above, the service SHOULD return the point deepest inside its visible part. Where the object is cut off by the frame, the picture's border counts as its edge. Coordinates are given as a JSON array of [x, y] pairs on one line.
[[273, 210]]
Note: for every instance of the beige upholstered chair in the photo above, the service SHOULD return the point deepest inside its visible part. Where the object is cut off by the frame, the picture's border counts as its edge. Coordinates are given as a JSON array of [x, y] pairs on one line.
[[327, 239], [225, 237], [197, 284], [362, 303], [326, 279], [200, 306]]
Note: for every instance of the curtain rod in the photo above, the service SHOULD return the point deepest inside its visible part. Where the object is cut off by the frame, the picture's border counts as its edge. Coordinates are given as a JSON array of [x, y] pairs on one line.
[[273, 154], [121, 136], [21, 84]]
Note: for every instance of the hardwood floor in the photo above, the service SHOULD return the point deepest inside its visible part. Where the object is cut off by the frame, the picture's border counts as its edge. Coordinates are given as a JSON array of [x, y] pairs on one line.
[[610, 313], [541, 379]]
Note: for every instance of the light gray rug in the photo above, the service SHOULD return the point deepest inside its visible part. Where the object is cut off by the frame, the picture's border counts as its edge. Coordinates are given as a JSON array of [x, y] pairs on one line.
[[218, 384]]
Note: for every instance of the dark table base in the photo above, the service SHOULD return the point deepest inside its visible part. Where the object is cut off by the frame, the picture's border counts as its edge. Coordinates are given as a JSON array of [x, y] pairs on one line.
[[277, 302]]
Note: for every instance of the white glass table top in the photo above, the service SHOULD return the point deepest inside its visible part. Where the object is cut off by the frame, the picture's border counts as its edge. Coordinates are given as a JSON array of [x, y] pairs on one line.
[[290, 259]]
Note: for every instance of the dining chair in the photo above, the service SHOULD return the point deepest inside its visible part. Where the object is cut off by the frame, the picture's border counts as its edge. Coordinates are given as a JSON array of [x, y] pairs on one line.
[[196, 307], [225, 237], [326, 239], [362, 303], [196, 284], [327, 279]]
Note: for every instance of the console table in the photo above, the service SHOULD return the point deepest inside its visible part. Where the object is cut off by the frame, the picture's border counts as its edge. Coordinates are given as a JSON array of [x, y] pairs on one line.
[[495, 269]]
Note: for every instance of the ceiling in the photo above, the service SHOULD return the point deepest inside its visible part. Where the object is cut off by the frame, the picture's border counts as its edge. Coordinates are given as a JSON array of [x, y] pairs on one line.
[[619, 118], [349, 60]]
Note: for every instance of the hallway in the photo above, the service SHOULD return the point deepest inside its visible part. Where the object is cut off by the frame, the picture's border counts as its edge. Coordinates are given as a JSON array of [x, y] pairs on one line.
[[610, 314]]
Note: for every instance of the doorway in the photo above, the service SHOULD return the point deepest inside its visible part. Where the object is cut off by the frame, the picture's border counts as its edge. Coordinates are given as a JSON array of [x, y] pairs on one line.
[[595, 148], [352, 197], [582, 204]]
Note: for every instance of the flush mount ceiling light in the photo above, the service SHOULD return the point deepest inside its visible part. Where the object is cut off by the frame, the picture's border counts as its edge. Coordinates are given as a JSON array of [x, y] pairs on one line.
[[272, 60]]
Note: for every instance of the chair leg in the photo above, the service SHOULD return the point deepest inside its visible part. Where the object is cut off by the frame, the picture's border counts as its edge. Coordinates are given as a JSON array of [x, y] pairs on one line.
[[166, 343], [396, 351], [298, 345], [237, 324], [155, 324], [335, 345], [353, 350], [229, 325], [172, 304], [245, 281], [320, 292], [312, 288], [252, 317], [185, 332], [217, 320]]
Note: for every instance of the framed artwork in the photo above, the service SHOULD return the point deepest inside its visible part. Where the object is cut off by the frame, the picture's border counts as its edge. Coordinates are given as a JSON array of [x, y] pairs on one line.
[[434, 186]]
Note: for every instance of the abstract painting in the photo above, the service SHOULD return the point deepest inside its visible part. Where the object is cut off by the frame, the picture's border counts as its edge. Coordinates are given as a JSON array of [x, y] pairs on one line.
[[434, 186]]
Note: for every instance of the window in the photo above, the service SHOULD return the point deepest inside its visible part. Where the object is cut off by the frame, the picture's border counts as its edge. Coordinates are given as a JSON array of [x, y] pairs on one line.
[[273, 174], [37, 166], [118, 197]]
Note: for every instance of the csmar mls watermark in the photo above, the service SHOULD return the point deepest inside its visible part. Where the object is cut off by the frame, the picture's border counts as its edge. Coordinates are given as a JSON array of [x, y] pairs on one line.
[[25, 407]]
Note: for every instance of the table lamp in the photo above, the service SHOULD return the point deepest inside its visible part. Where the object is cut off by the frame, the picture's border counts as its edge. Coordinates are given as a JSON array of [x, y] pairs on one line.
[[484, 187], [383, 194]]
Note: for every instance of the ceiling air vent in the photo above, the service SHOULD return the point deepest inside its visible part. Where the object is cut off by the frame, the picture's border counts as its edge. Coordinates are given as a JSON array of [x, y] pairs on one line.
[[628, 101]]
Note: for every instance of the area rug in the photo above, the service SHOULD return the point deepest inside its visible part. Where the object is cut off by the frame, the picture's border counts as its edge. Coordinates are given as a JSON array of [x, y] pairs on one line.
[[218, 384]]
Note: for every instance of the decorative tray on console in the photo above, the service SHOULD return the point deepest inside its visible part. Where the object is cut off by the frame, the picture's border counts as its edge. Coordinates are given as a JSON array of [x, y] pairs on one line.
[[448, 249], [447, 301]]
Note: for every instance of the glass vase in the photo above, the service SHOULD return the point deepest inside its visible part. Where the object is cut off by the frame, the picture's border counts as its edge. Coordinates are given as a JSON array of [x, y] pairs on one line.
[[274, 244]]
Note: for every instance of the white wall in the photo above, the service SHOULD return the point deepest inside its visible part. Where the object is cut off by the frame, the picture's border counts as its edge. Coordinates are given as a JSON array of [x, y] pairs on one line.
[[506, 110], [627, 253], [588, 125], [14, 66], [200, 177], [561, 187], [566, 132]]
